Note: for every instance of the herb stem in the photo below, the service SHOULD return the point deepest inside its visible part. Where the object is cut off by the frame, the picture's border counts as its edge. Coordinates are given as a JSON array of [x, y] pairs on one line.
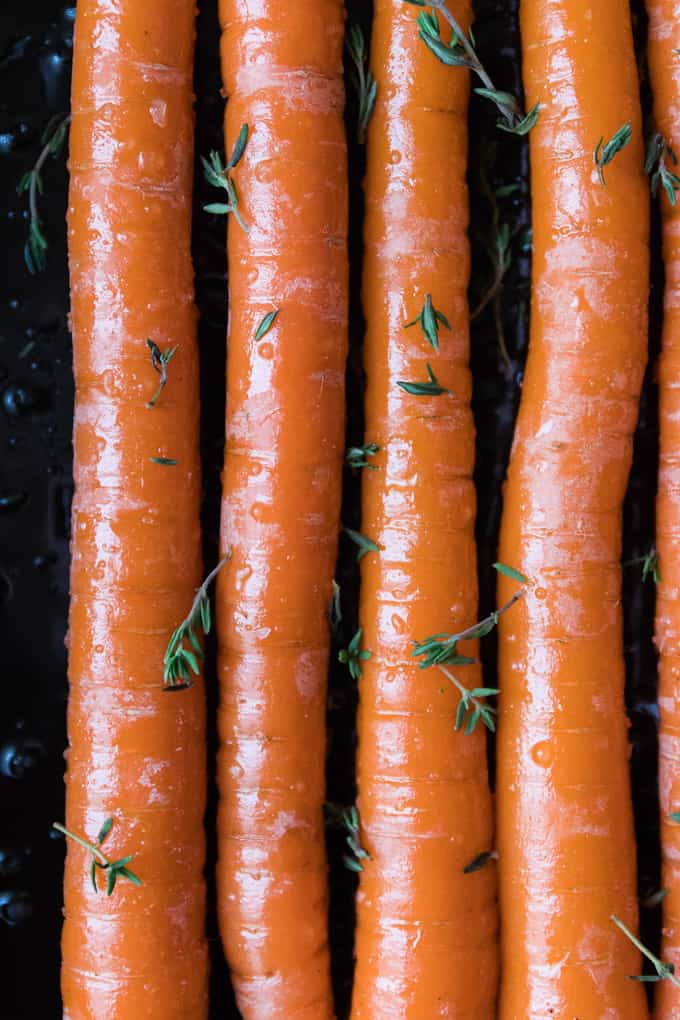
[[202, 591], [491, 618], [475, 62], [663, 969], [104, 861]]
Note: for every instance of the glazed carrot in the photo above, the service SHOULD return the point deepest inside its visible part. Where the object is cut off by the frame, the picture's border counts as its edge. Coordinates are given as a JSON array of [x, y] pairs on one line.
[[664, 67], [426, 930], [565, 829], [282, 72], [136, 753]]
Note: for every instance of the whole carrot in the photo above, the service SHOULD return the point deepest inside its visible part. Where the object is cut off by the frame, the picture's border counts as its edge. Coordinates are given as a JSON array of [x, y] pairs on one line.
[[136, 754], [282, 71], [426, 911], [565, 830], [664, 67]]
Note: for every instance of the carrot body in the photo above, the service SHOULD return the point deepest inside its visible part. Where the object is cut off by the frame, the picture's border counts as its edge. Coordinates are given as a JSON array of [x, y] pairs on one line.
[[135, 752], [282, 70], [664, 66], [565, 831], [426, 932]]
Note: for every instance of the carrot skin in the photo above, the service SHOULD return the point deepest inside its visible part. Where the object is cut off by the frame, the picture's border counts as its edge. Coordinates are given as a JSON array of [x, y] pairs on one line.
[[664, 69], [426, 932], [565, 829], [282, 71], [135, 753]]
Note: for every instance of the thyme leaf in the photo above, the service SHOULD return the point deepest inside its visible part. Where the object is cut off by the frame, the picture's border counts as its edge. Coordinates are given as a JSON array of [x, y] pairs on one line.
[[461, 51], [606, 151], [363, 80], [218, 175], [423, 389], [365, 545], [356, 456], [266, 324], [429, 318], [160, 360], [657, 168], [179, 662], [354, 655], [31, 183], [98, 860], [664, 971]]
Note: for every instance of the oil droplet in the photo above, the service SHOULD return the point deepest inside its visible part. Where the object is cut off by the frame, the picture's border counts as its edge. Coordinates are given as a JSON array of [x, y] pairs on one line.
[[395, 157], [266, 351], [99, 649], [398, 623], [254, 468], [541, 594], [542, 754]]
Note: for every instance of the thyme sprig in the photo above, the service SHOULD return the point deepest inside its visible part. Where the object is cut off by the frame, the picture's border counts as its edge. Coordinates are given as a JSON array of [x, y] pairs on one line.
[[347, 818], [160, 360], [112, 869], [649, 563], [658, 152], [53, 140], [363, 80], [179, 660], [664, 971], [218, 175], [441, 650], [354, 655], [357, 456], [429, 318], [461, 52], [423, 389], [606, 151]]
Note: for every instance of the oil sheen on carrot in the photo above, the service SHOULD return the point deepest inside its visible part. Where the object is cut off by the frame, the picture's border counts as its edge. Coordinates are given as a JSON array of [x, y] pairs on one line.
[[664, 68], [565, 828], [426, 932], [136, 753], [282, 72]]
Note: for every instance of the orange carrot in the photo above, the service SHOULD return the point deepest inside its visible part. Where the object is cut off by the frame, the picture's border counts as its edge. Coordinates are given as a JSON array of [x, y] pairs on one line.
[[282, 71], [136, 754], [565, 830], [664, 66], [426, 929]]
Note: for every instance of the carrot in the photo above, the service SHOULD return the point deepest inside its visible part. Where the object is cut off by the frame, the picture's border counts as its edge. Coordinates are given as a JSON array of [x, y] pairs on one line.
[[426, 929], [282, 72], [664, 70], [565, 830], [136, 754]]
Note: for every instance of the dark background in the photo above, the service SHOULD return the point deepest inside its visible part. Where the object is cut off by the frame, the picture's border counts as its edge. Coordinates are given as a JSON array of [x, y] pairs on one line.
[[36, 397]]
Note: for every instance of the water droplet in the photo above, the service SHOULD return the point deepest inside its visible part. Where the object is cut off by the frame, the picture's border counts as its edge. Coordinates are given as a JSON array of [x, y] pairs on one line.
[[260, 512], [542, 753], [15, 907], [12, 499], [395, 157], [399, 594], [398, 623], [18, 400], [266, 351], [254, 468], [541, 594]]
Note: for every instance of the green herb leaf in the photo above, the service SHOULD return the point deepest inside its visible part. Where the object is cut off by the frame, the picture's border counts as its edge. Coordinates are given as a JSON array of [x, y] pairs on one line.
[[423, 389], [357, 456], [675, 816], [353, 655], [266, 324], [363, 80], [502, 568], [524, 124], [164, 461], [93, 874], [478, 862], [104, 831], [239, 147], [159, 360], [178, 659], [606, 151], [31, 183], [366, 545], [429, 318]]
